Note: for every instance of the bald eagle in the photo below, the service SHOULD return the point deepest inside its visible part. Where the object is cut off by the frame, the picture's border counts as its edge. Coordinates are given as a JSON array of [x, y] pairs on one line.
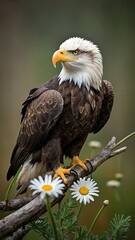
[[58, 116]]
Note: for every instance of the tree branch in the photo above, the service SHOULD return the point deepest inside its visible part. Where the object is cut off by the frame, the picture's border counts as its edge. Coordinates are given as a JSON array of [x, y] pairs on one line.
[[32, 209], [15, 204]]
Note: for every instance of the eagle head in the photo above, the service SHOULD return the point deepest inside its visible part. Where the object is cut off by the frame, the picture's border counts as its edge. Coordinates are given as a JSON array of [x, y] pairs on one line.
[[81, 63]]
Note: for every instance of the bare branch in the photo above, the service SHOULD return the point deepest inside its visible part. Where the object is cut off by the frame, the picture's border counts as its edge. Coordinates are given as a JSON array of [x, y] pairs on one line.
[[36, 207], [15, 204]]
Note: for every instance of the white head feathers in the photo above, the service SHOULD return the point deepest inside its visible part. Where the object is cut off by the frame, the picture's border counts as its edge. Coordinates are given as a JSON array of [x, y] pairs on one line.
[[87, 69]]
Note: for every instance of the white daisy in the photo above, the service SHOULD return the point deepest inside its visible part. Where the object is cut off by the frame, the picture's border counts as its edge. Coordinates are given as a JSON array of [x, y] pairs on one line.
[[84, 190], [113, 183], [95, 144], [48, 185]]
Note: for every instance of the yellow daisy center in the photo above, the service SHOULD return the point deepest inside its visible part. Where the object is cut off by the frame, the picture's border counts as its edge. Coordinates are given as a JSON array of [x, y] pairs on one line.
[[47, 187], [84, 190]]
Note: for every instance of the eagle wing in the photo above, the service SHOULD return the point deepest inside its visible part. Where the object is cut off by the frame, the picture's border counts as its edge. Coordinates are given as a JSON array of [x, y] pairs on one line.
[[40, 116], [106, 107]]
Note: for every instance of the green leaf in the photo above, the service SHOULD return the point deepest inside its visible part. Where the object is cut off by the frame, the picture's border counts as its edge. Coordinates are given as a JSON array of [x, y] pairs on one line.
[[119, 228], [42, 227], [82, 233], [66, 217], [12, 183], [94, 237]]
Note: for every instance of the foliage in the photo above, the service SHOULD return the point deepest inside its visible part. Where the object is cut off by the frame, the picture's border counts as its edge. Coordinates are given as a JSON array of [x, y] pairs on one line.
[[69, 228], [42, 227], [119, 227], [67, 220]]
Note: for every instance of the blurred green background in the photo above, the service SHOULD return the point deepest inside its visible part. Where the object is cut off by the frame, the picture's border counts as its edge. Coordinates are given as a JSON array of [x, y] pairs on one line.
[[30, 32]]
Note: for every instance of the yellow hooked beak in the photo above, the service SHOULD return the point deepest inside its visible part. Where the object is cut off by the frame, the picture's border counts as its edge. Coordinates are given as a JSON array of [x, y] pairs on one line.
[[62, 55]]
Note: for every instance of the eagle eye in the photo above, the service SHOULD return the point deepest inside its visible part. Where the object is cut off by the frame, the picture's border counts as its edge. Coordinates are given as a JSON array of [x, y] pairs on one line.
[[75, 52]]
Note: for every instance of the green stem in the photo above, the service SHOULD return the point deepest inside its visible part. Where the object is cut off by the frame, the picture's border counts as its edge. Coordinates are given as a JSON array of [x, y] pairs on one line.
[[48, 205], [124, 139], [95, 219], [60, 220], [117, 194], [12, 183], [92, 153], [79, 211]]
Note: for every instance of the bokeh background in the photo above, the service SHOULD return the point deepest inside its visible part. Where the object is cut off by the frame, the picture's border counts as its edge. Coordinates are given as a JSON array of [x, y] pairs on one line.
[[30, 32]]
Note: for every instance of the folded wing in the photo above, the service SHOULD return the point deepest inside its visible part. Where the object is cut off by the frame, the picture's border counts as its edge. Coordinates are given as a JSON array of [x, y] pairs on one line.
[[40, 117]]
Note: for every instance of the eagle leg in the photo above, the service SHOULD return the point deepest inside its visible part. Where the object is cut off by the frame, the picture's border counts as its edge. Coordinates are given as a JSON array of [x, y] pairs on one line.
[[60, 172], [76, 161]]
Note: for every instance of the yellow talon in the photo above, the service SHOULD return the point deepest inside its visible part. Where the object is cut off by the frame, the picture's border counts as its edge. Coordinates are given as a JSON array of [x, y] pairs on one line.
[[76, 161], [60, 172]]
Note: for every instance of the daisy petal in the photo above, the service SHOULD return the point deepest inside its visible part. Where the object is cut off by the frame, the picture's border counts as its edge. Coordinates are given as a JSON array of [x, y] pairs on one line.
[[84, 190], [52, 187], [41, 180], [42, 195]]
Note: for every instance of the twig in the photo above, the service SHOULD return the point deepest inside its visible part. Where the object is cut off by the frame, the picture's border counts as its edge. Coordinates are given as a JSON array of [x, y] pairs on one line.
[[124, 139], [36, 207]]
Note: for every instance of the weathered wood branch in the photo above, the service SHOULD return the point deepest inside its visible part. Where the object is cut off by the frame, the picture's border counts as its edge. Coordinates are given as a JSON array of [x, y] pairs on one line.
[[15, 204], [36, 207]]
